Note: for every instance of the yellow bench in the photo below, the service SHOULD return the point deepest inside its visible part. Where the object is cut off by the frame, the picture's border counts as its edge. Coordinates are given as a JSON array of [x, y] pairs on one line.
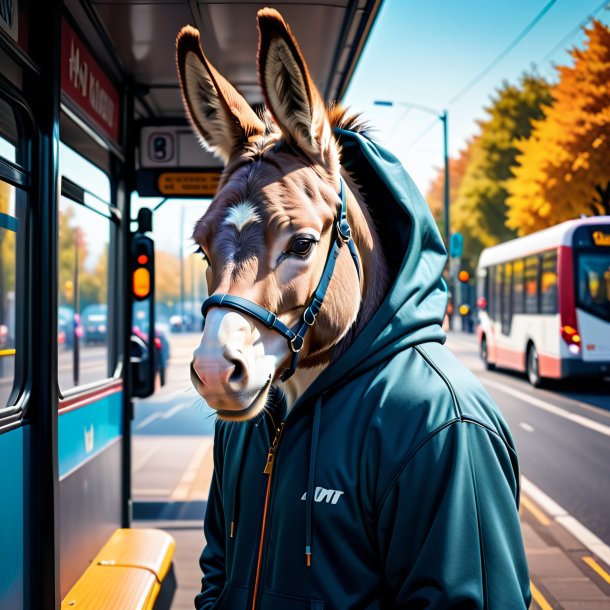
[[127, 573]]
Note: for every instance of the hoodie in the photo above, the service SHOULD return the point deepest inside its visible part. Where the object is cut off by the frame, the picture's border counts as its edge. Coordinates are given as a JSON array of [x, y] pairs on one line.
[[393, 481]]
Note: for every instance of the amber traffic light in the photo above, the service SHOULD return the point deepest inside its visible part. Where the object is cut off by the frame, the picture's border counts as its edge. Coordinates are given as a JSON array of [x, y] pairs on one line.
[[463, 276], [142, 275]]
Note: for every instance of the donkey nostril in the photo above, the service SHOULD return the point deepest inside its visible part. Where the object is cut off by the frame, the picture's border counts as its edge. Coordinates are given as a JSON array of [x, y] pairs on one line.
[[239, 370]]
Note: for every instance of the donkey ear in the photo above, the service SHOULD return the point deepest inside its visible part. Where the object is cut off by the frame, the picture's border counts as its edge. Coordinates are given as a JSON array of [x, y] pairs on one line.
[[219, 114], [290, 94]]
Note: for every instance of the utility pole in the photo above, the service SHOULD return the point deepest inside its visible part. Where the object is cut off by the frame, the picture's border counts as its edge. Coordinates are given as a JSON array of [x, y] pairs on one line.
[[443, 116], [182, 324]]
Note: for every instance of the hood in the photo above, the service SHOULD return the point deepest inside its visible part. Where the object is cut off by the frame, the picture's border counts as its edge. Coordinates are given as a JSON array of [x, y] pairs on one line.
[[413, 309]]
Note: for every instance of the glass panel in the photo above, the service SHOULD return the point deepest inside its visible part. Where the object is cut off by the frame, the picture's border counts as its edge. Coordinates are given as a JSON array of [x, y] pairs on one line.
[[518, 267], [531, 284], [9, 232], [594, 283], [498, 293], [8, 132], [489, 286], [506, 298], [548, 283], [82, 325]]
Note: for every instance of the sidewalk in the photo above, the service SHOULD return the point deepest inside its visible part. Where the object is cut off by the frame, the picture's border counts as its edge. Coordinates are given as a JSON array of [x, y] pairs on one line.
[[564, 574]]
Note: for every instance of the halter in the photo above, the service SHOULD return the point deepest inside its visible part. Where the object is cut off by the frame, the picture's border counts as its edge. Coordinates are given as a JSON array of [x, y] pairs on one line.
[[296, 335]]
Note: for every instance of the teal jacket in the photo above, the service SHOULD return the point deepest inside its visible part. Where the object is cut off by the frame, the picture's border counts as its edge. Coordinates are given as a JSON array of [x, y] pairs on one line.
[[395, 476]]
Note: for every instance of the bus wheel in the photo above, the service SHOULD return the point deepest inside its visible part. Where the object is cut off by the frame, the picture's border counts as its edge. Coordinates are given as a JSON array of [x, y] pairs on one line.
[[532, 370], [485, 355]]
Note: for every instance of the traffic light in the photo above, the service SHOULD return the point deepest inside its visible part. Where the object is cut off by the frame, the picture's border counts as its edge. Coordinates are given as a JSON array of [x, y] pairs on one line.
[[463, 276], [143, 273]]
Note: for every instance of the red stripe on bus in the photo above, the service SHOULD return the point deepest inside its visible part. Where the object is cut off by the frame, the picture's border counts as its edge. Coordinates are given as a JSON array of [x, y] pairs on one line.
[[86, 398], [549, 366], [565, 283], [509, 358]]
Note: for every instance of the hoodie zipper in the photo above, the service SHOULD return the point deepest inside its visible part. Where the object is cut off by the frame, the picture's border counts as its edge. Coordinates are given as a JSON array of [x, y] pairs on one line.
[[268, 470]]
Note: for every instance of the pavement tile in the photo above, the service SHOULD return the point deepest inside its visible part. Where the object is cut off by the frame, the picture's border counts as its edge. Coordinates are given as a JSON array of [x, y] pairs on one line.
[[531, 539], [587, 605], [551, 562], [573, 589]]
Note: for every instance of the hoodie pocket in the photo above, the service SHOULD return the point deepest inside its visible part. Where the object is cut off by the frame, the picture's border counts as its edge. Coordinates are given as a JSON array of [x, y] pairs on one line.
[[278, 601], [232, 597]]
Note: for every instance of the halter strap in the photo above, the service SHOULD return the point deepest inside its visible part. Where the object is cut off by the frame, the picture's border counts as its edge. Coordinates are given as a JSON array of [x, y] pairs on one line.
[[296, 335]]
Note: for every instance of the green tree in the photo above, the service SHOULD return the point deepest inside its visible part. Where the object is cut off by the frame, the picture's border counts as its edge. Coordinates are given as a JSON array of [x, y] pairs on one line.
[[564, 168], [479, 207]]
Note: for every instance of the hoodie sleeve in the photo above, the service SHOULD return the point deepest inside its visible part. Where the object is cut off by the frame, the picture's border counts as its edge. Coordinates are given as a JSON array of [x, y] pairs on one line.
[[448, 526], [212, 560]]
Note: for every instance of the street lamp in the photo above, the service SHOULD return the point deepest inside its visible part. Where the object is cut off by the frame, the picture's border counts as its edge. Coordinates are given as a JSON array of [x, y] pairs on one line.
[[443, 117]]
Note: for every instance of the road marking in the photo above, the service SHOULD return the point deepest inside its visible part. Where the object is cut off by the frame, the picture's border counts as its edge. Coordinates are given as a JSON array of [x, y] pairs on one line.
[[539, 598], [550, 408], [526, 426], [175, 409], [151, 493], [595, 566], [148, 420], [163, 414], [527, 503], [181, 492], [561, 515]]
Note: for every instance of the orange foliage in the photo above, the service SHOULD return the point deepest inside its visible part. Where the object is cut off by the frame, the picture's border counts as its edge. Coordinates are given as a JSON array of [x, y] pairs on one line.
[[563, 167], [436, 191]]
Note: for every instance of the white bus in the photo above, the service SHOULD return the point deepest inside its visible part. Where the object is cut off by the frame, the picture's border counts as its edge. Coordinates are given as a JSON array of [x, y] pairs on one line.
[[544, 302]]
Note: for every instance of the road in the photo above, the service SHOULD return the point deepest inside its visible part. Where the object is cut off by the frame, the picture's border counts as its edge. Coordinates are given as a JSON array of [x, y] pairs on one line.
[[561, 433]]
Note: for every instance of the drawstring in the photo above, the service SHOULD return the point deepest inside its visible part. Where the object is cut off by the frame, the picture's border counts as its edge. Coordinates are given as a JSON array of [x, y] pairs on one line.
[[313, 452], [242, 460]]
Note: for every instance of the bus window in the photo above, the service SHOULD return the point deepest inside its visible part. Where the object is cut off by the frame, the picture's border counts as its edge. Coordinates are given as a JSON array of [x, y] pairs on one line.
[[518, 286], [85, 235], [497, 313], [594, 283], [548, 283], [9, 229], [506, 298], [12, 217], [531, 284], [489, 287]]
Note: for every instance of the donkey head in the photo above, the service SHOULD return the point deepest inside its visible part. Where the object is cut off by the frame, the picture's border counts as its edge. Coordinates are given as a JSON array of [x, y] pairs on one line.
[[268, 231]]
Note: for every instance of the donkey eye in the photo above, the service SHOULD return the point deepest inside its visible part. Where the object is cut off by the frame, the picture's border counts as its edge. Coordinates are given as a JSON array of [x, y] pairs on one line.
[[301, 246]]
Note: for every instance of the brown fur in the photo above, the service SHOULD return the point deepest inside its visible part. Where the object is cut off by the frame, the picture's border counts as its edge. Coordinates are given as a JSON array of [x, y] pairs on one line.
[[292, 187]]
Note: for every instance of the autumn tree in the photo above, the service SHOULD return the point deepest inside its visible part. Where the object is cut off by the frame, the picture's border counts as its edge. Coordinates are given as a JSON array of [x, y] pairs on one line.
[[563, 168], [436, 192], [479, 207]]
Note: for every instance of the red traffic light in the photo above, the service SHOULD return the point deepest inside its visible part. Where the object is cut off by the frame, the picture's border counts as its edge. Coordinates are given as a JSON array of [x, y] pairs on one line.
[[142, 259], [463, 275]]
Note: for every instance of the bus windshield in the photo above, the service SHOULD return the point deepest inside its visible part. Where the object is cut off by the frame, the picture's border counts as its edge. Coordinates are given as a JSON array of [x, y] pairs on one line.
[[594, 283]]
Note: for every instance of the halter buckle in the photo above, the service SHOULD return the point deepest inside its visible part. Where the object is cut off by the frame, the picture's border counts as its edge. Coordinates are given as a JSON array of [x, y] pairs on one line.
[[343, 231], [312, 318], [293, 347]]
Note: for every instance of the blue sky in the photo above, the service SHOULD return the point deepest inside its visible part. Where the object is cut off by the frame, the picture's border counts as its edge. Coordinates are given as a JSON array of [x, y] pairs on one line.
[[425, 52]]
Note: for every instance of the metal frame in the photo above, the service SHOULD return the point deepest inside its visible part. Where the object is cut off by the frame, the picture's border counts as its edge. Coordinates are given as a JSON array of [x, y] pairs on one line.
[[44, 91]]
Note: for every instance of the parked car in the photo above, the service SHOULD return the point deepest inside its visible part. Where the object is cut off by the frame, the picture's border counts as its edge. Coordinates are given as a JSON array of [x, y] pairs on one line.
[[95, 323], [68, 325]]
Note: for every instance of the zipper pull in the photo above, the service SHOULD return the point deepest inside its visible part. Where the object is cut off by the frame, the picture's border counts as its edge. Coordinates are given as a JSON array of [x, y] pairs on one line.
[[272, 450]]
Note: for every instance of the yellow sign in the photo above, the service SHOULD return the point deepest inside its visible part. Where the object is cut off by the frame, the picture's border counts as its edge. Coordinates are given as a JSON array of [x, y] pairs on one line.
[[601, 239], [196, 184]]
